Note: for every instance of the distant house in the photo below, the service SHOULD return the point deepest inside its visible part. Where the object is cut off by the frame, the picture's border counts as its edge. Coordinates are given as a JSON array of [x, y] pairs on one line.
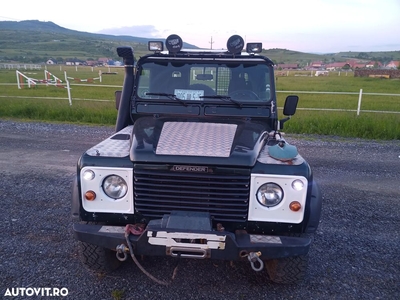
[[337, 66], [374, 64], [394, 64], [92, 63], [287, 66], [316, 65], [103, 61], [356, 64], [74, 62], [51, 62]]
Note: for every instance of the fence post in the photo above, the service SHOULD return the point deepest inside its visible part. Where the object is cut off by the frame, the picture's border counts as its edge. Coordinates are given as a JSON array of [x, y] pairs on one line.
[[359, 103], [69, 93], [16, 72]]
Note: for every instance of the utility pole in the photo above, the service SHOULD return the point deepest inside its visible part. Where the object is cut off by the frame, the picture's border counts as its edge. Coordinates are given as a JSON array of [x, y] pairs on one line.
[[211, 42]]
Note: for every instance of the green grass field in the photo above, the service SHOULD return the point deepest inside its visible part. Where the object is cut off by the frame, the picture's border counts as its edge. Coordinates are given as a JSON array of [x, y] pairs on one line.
[[95, 105]]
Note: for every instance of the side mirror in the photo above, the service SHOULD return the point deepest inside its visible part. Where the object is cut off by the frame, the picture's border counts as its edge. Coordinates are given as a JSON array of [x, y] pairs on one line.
[[289, 109], [290, 105]]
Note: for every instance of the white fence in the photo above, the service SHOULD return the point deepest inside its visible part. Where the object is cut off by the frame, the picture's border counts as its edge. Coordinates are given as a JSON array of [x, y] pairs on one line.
[[21, 66], [358, 110]]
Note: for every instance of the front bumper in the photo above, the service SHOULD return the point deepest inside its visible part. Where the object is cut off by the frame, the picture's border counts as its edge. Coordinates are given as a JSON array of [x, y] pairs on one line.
[[190, 235]]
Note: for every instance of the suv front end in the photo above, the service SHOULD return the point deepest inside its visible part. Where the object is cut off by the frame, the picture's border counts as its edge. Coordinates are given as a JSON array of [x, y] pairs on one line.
[[197, 167]]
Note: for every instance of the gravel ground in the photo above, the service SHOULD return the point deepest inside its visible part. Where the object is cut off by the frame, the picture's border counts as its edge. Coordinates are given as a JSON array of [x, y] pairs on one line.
[[355, 254]]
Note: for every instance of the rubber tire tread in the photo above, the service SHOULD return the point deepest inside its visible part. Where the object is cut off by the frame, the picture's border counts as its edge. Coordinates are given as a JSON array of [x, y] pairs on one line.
[[287, 270], [98, 259]]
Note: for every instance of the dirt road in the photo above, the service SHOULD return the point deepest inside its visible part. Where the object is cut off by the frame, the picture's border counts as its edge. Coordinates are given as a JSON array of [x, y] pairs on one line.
[[355, 254]]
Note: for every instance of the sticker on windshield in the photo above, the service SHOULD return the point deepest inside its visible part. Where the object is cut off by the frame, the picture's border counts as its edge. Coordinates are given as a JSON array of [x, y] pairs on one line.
[[189, 94]]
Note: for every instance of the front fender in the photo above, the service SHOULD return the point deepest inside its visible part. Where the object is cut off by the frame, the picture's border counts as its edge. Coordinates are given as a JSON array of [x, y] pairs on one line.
[[315, 208], [75, 201]]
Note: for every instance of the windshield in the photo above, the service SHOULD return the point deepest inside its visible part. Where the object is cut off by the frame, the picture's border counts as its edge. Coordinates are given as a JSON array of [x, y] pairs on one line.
[[244, 81]]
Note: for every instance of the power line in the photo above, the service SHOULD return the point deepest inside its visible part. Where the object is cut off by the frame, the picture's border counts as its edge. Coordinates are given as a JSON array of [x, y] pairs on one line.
[[211, 42]]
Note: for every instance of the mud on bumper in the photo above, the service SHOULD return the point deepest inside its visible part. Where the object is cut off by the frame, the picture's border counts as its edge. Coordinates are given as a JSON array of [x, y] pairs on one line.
[[190, 235]]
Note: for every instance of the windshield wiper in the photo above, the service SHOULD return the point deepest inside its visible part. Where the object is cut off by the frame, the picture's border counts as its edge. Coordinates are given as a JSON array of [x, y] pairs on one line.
[[169, 96], [224, 98]]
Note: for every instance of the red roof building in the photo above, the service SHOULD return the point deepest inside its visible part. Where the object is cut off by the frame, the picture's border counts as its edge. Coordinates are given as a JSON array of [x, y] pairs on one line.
[[394, 64]]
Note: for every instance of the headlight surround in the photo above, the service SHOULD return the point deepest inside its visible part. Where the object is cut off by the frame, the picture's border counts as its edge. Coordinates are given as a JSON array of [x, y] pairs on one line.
[[269, 194], [115, 186]]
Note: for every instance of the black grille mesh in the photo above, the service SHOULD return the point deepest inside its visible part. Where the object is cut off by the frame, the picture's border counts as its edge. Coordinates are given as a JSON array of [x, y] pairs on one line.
[[223, 194]]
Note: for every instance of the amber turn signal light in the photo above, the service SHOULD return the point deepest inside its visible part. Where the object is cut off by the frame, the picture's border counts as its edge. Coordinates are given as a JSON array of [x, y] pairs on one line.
[[90, 195], [295, 206]]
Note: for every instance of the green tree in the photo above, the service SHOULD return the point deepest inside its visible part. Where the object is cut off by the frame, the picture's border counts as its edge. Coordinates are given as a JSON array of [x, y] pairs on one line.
[[346, 67]]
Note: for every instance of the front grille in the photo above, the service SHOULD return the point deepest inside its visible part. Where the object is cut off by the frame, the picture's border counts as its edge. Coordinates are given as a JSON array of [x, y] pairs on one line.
[[222, 192]]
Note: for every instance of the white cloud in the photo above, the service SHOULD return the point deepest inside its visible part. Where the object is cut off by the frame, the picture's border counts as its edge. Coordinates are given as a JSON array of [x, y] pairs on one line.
[[146, 31], [309, 26]]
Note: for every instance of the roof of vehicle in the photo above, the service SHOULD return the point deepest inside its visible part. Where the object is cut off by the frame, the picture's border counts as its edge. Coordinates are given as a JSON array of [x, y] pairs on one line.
[[208, 53]]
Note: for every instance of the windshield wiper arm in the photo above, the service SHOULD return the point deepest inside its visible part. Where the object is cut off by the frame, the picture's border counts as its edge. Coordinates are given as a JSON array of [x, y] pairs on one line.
[[224, 98], [169, 96]]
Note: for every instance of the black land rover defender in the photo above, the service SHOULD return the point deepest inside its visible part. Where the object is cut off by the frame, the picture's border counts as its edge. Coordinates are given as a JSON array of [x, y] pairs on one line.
[[197, 167]]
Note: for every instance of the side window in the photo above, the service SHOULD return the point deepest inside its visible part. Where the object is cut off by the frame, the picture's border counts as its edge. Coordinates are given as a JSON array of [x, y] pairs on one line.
[[144, 82]]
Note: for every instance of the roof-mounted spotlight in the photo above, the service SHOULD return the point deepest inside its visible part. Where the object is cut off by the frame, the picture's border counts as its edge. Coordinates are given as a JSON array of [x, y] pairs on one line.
[[254, 47], [235, 44], [156, 46], [174, 43]]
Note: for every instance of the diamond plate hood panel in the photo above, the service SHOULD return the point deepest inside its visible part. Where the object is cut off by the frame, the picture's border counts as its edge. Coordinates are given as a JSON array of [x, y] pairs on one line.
[[196, 138], [200, 142]]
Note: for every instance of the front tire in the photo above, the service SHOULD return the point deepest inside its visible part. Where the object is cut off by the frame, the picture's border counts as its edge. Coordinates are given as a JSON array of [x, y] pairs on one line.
[[98, 259], [287, 270]]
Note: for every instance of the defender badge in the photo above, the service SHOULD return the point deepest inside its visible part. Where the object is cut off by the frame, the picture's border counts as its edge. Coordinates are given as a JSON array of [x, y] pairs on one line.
[[178, 168]]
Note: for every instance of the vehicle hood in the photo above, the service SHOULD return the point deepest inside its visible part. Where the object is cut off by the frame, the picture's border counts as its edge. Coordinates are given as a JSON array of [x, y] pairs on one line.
[[211, 141]]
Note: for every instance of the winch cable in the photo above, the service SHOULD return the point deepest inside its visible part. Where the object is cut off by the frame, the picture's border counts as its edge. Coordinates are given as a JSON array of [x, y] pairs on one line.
[[137, 230]]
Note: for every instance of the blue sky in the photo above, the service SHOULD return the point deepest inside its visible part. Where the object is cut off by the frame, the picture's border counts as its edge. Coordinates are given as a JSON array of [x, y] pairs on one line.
[[319, 26]]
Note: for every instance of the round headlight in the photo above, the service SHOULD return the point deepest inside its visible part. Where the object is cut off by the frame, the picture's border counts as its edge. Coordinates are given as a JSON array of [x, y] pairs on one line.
[[115, 186], [269, 194]]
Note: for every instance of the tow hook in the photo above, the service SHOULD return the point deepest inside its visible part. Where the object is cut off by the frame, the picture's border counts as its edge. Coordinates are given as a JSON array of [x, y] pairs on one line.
[[121, 252], [255, 257]]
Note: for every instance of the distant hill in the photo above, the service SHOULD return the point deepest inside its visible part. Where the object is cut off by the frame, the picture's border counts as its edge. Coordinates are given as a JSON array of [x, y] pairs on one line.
[[36, 41], [52, 28], [281, 56], [33, 41]]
